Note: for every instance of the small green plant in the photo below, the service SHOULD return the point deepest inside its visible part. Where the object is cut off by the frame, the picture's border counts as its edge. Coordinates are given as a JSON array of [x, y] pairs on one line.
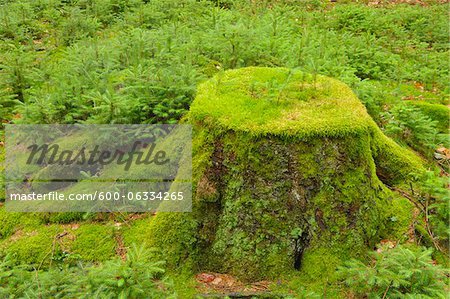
[[408, 124], [135, 277], [433, 199], [399, 272], [2, 173]]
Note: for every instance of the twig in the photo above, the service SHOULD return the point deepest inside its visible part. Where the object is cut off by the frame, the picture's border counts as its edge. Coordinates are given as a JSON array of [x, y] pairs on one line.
[[38, 282], [386, 291], [52, 251], [429, 229], [411, 198], [424, 210]]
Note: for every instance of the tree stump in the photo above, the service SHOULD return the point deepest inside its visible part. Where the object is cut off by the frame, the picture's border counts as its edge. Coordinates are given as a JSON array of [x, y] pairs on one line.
[[285, 178]]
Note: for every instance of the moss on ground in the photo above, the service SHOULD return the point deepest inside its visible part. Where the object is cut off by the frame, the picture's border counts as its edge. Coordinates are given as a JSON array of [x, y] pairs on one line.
[[12, 222], [138, 232], [437, 112], [286, 168], [62, 217], [401, 217], [29, 241], [94, 242], [174, 235], [33, 247]]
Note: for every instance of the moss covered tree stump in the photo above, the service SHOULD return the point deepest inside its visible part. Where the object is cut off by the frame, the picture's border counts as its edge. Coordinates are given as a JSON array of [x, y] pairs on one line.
[[285, 171]]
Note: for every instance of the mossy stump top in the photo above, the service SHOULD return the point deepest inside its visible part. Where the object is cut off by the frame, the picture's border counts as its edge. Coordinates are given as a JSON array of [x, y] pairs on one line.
[[264, 101]]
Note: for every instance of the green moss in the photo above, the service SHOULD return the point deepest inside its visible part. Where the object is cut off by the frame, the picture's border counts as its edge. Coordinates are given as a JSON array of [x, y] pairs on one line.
[[436, 112], [184, 284], [394, 163], [316, 278], [401, 219], [138, 232], [94, 242], [62, 218], [319, 265], [28, 239], [202, 149], [14, 221], [11, 222], [279, 101], [174, 235], [33, 246], [32, 242], [268, 199]]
